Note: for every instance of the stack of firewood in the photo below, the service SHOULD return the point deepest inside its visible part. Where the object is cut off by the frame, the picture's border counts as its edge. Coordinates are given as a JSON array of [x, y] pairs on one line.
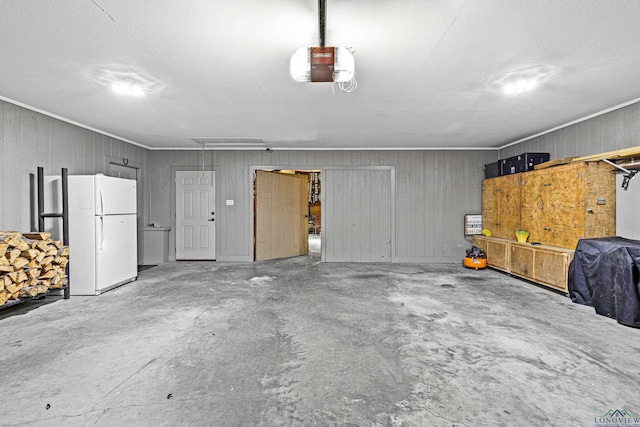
[[30, 264]]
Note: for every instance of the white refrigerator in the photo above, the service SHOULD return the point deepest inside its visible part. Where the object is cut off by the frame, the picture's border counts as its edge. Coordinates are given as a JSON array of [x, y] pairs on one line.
[[102, 231]]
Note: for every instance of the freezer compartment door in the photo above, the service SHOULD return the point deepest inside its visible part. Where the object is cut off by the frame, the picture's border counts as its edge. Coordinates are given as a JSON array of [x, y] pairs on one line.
[[116, 250], [115, 196]]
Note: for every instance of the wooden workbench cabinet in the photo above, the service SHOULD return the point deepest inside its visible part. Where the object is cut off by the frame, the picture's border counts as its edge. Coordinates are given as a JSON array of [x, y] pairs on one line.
[[564, 204], [546, 265], [557, 206]]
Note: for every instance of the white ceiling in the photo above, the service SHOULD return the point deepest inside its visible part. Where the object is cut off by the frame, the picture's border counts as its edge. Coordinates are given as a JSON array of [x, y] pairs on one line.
[[427, 70]]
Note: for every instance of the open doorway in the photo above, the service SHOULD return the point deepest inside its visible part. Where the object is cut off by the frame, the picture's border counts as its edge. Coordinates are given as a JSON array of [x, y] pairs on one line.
[[286, 213], [315, 212]]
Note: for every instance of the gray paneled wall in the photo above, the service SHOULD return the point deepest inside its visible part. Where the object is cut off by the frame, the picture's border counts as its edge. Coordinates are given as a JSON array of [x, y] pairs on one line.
[[29, 139], [433, 191], [611, 131], [357, 215]]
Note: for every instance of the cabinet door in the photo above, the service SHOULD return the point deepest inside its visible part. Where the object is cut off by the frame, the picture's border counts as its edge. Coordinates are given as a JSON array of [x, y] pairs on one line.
[[490, 204], [509, 206], [551, 268], [501, 206], [497, 254], [564, 224], [532, 205], [600, 200], [553, 205], [480, 242], [522, 260]]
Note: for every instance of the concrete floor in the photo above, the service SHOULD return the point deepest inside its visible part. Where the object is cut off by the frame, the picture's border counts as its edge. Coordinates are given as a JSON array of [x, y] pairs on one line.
[[296, 342]]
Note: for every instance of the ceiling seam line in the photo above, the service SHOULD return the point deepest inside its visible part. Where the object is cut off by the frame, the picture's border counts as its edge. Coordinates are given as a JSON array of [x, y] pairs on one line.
[[131, 35], [455, 18]]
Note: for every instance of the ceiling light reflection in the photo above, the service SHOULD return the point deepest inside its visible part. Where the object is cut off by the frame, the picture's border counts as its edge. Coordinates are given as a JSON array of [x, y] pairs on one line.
[[128, 88]]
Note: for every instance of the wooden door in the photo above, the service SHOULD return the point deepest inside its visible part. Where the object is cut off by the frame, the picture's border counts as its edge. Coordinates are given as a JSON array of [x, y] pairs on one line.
[[195, 215], [357, 224], [281, 215]]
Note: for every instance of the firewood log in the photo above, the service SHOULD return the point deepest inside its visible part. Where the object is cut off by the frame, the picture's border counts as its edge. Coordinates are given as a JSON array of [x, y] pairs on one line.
[[61, 261], [12, 255], [47, 260], [16, 243], [30, 253], [37, 236], [33, 272], [20, 276], [42, 245], [19, 262], [48, 275], [13, 288], [29, 291]]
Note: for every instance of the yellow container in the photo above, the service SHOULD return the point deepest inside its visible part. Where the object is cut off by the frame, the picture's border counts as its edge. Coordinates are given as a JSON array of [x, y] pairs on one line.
[[522, 236]]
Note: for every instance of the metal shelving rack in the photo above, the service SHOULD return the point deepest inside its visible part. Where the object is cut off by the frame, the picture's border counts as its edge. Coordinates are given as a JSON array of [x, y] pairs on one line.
[[64, 215], [65, 233]]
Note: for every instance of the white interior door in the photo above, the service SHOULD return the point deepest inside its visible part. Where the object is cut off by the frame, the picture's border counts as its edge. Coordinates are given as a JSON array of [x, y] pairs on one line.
[[195, 215]]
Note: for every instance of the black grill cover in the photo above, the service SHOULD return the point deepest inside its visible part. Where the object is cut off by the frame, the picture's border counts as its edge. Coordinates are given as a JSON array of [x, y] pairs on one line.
[[605, 274]]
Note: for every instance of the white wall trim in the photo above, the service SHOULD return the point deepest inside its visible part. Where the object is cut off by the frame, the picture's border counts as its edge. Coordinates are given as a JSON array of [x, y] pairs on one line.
[[71, 122]]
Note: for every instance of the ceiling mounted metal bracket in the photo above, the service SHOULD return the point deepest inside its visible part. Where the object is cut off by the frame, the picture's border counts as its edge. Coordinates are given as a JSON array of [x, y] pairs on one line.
[[322, 20], [629, 173]]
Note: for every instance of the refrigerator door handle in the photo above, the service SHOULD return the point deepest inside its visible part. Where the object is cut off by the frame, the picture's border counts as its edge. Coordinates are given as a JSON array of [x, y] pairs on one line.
[[101, 203], [101, 232]]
